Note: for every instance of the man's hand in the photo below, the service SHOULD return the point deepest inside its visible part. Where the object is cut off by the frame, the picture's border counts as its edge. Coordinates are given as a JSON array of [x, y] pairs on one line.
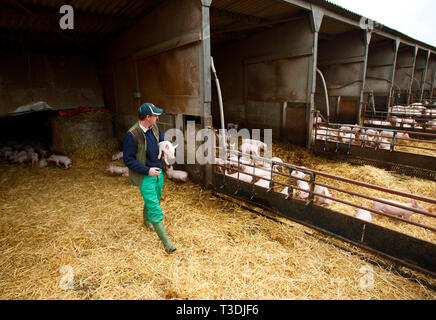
[[154, 172]]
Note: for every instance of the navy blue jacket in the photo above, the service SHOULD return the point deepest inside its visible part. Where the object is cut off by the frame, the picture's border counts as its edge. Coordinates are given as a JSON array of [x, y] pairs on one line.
[[129, 152]]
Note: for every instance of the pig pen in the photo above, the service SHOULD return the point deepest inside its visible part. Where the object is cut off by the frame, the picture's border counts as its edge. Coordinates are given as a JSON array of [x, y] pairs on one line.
[[78, 234], [404, 151]]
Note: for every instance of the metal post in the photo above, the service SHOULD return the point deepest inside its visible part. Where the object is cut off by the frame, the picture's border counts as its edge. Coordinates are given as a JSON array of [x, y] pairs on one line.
[[391, 88], [316, 15], [409, 92], [205, 78], [424, 76], [367, 39]]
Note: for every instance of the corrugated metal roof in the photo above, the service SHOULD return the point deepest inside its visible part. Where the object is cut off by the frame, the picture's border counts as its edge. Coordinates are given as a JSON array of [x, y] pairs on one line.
[[100, 20]]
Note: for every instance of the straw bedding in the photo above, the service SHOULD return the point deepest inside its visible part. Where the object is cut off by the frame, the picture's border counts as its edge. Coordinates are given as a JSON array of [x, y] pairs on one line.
[[369, 174], [91, 221]]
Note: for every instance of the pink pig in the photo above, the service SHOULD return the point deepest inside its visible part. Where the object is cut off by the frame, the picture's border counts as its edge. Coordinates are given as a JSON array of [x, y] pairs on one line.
[[324, 191], [117, 169], [395, 211], [167, 150], [364, 215]]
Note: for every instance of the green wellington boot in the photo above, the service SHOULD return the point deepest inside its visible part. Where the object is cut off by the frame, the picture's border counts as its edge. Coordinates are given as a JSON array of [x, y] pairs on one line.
[[160, 230]]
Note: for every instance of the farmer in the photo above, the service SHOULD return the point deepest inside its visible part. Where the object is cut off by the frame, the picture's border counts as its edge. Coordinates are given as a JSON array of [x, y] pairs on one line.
[[140, 154]]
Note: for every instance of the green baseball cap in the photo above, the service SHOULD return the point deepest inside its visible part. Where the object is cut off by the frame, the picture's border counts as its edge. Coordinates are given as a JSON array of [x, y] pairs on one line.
[[149, 109]]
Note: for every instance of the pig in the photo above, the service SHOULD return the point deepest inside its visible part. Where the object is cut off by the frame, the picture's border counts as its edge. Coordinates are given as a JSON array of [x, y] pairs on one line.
[[233, 160], [346, 137], [42, 152], [177, 174], [21, 157], [60, 159], [402, 135], [383, 143], [364, 215], [3, 151], [256, 143], [242, 176], [220, 162], [116, 169], [324, 191], [42, 163], [12, 155], [263, 183], [387, 134], [258, 171], [318, 119], [286, 190], [395, 211], [117, 156], [276, 167], [327, 133], [167, 150], [370, 137], [33, 156], [345, 129], [301, 184], [332, 135], [250, 148]]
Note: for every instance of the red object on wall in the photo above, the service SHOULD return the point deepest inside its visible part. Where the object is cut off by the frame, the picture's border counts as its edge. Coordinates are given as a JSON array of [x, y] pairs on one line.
[[80, 110]]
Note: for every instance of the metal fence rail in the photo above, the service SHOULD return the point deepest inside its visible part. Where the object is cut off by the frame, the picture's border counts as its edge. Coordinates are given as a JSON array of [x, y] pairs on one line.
[[241, 168]]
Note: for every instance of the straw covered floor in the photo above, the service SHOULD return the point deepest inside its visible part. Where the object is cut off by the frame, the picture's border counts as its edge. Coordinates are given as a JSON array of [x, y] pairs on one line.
[[78, 234]]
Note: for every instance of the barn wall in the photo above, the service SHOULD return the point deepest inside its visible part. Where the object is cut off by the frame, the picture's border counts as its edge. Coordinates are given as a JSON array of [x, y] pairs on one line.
[[160, 58], [62, 80], [341, 61], [430, 76], [381, 59], [420, 65], [258, 74], [404, 68]]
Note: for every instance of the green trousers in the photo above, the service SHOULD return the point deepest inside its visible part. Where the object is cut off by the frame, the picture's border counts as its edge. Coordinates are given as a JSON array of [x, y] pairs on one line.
[[151, 190]]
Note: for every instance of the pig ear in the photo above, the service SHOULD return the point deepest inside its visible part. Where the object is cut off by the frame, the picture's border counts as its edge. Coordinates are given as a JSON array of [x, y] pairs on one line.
[[414, 203]]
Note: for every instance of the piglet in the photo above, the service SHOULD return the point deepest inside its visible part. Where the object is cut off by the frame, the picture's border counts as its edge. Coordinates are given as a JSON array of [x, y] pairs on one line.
[[250, 148], [21, 157], [286, 190], [117, 156], [395, 211], [364, 215], [60, 159], [42, 163], [242, 176], [116, 169], [324, 191], [256, 143], [402, 135], [177, 174], [263, 183], [301, 184], [33, 156]]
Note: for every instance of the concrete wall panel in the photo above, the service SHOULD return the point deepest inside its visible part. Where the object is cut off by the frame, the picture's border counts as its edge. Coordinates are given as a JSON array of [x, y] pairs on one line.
[[61, 80]]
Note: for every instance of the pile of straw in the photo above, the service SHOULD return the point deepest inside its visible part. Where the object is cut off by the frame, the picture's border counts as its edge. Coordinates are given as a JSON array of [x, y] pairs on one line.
[[91, 221], [87, 135]]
